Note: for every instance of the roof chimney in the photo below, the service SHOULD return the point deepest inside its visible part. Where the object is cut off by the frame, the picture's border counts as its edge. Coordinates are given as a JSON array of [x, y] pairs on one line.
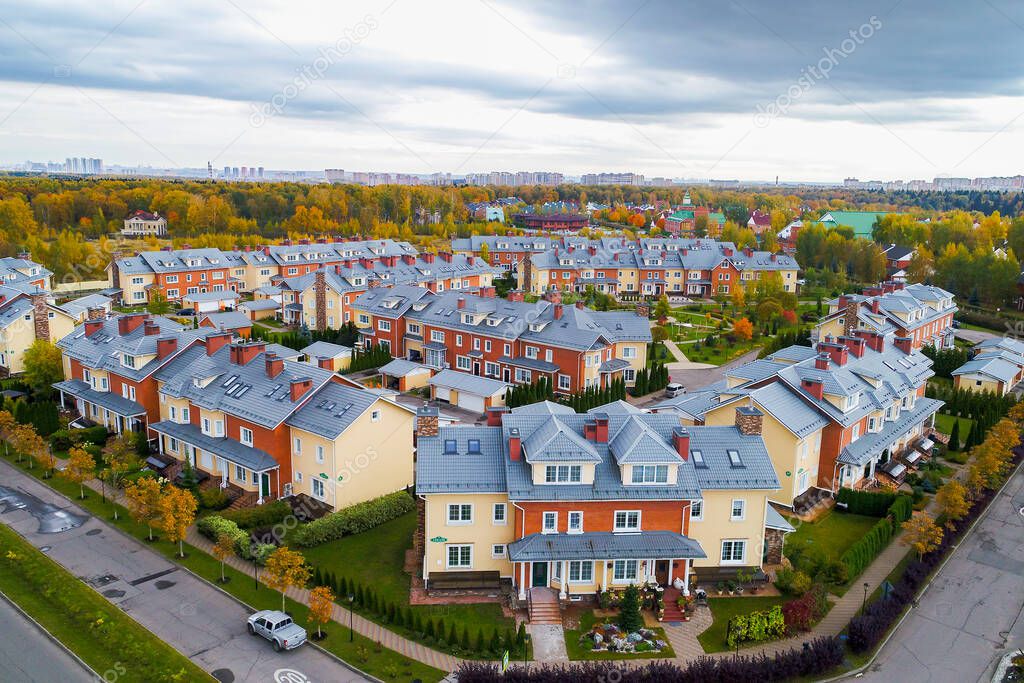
[[749, 420], [215, 341], [856, 345], [93, 326], [814, 387], [494, 414], [601, 428], [874, 340], [681, 442], [874, 305], [515, 445], [821, 361], [166, 346], [461, 302], [516, 295], [298, 387], [150, 328], [426, 421], [904, 344], [274, 365], [579, 304], [558, 311], [130, 322]]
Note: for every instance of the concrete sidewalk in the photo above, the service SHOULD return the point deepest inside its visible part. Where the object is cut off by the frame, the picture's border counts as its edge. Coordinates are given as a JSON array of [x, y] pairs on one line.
[[189, 614]]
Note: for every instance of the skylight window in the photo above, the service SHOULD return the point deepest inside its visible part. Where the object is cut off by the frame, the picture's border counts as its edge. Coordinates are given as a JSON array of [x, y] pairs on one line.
[[449, 447], [474, 446], [734, 458], [698, 458]]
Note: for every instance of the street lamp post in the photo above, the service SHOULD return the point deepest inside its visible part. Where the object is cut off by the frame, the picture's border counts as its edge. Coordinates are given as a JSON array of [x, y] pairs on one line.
[[864, 602], [351, 625]]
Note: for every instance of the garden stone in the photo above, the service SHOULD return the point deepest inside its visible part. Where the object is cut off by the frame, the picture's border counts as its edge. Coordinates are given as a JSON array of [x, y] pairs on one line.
[[598, 639], [619, 643], [634, 637]]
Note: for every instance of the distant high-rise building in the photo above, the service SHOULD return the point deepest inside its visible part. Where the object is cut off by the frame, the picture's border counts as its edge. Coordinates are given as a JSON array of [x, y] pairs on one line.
[[259, 172], [612, 179], [334, 175], [227, 172]]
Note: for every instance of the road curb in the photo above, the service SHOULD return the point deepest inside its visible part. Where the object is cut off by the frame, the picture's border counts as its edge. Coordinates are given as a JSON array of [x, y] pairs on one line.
[[183, 568], [52, 638]]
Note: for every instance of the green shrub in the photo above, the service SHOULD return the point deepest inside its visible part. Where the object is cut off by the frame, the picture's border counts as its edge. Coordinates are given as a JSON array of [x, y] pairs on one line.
[[260, 516], [756, 626], [865, 502], [793, 582], [859, 555], [214, 498], [353, 520]]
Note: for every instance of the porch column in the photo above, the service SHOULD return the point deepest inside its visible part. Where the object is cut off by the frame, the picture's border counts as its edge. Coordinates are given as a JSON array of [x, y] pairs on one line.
[[522, 580], [565, 579], [604, 574], [686, 578], [669, 581], [160, 443]]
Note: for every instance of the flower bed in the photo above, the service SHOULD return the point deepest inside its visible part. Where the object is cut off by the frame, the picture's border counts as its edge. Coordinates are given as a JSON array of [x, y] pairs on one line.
[[607, 637]]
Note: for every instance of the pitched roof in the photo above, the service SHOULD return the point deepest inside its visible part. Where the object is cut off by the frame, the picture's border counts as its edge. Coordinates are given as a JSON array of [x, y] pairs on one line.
[[226, 320], [604, 545], [468, 383], [323, 349], [789, 409], [332, 410]]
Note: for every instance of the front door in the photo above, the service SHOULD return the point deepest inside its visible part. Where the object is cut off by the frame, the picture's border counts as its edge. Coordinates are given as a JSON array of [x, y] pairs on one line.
[[540, 574], [802, 482], [476, 369], [264, 484], [661, 572]]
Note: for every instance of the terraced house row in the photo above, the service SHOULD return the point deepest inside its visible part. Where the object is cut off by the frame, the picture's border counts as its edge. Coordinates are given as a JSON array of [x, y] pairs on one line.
[[850, 411], [546, 498], [922, 313], [694, 268], [242, 414], [322, 299], [507, 340], [176, 273]]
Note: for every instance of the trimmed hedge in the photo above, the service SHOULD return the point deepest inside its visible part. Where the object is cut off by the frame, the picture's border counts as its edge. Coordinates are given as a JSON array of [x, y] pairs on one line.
[[812, 660], [353, 520], [214, 526], [858, 556], [866, 502], [756, 626], [264, 515]]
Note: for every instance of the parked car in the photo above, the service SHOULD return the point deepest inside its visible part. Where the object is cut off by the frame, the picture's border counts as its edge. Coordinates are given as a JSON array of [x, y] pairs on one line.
[[674, 389], [186, 311], [278, 628]]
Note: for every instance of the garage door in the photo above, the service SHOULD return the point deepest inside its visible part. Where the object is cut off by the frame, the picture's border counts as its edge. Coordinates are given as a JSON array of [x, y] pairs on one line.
[[442, 393], [208, 307], [470, 402]]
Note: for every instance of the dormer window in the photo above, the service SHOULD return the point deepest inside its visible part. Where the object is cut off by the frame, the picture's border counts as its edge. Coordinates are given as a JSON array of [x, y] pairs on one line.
[[650, 474], [734, 458], [563, 474], [127, 360]]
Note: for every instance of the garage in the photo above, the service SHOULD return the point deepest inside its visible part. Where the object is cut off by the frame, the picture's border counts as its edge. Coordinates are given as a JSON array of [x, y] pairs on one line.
[[470, 392]]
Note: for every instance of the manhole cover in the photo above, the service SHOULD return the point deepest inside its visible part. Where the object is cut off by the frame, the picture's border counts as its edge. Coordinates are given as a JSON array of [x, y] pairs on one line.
[[113, 593], [161, 585], [104, 580], [223, 675], [93, 532]]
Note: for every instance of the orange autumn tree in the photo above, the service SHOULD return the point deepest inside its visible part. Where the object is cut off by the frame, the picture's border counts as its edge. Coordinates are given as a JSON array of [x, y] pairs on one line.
[[921, 533], [952, 501], [285, 568], [321, 603], [222, 550], [80, 468], [7, 427], [177, 512], [743, 329], [143, 500]]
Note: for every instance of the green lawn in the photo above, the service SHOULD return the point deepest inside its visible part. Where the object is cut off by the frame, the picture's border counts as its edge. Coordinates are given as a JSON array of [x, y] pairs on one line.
[[724, 609], [944, 423], [577, 652], [720, 354], [362, 653], [831, 534], [87, 643], [375, 559]]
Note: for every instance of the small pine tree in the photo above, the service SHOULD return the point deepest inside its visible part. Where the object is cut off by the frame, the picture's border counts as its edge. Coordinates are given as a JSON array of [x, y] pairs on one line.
[[480, 642], [954, 436], [495, 646], [630, 619], [453, 636], [429, 632], [520, 634], [439, 629]]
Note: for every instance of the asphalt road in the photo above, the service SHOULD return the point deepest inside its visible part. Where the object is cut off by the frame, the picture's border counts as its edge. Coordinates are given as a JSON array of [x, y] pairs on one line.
[[971, 615], [187, 613], [28, 656]]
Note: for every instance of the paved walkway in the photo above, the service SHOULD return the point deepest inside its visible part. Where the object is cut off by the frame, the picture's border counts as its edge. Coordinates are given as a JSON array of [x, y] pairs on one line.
[[548, 643], [682, 362]]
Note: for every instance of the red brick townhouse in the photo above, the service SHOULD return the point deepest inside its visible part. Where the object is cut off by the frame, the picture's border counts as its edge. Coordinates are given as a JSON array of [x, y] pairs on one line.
[[512, 341], [923, 313], [565, 506], [109, 366]]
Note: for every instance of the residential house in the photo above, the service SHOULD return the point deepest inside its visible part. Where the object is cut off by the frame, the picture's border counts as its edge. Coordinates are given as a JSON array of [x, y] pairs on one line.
[[141, 223], [996, 365], [760, 222], [924, 313], [861, 222], [551, 500]]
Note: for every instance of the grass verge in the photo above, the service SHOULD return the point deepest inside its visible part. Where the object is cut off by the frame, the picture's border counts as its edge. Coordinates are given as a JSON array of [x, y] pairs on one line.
[[362, 652]]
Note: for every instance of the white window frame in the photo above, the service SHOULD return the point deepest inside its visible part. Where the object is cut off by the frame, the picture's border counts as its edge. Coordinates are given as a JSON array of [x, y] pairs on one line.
[[574, 528], [697, 511], [545, 528], [733, 517], [626, 577], [461, 519], [733, 543], [459, 547], [576, 569], [627, 527], [503, 516], [245, 436]]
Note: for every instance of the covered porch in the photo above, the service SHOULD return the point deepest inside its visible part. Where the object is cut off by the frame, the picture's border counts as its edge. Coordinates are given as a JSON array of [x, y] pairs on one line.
[[593, 562], [250, 469], [117, 413]]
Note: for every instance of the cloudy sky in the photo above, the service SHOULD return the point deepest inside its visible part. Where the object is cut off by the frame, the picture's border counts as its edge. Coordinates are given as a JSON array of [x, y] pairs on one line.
[[750, 90]]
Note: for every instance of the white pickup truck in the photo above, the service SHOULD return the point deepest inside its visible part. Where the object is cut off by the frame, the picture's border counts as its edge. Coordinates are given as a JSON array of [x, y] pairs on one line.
[[278, 628]]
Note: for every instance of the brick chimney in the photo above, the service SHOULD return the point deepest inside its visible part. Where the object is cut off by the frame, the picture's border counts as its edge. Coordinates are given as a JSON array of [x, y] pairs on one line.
[[130, 322], [749, 420], [150, 328], [874, 305], [814, 387], [643, 309], [428, 257], [166, 346], [241, 353], [821, 361], [856, 345], [40, 315], [298, 387], [461, 302], [516, 295], [408, 259], [515, 445], [681, 442], [427, 421], [579, 304], [446, 256], [93, 326], [837, 352], [273, 364], [215, 341], [494, 414], [601, 428], [557, 311], [874, 340], [904, 344], [553, 295], [91, 313]]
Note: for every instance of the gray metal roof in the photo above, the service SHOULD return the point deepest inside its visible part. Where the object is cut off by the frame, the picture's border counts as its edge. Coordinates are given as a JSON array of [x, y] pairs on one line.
[[211, 296], [105, 399], [605, 545], [227, 320], [636, 442], [332, 410], [774, 520], [554, 441], [260, 305], [544, 408], [616, 408], [460, 471], [77, 307], [399, 367], [871, 444], [755, 470], [992, 367], [322, 349], [229, 449], [789, 409], [466, 382]]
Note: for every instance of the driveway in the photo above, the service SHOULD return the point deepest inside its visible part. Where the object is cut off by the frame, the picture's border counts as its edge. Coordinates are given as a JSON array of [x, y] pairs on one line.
[[971, 614], [184, 611], [975, 336], [30, 656], [701, 377]]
